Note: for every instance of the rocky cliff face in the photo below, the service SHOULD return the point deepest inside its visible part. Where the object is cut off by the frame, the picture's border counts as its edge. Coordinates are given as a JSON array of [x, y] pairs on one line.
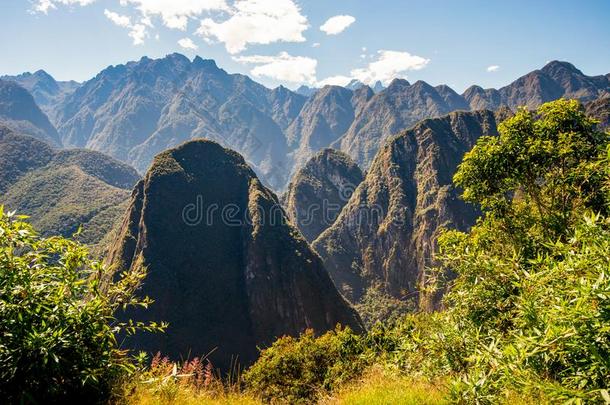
[[19, 111], [386, 233], [319, 190], [62, 190], [600, 110], [224, 267]]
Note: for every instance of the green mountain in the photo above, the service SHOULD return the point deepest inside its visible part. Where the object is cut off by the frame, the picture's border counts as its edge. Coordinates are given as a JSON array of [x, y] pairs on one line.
[[62, 190], [225, 268]]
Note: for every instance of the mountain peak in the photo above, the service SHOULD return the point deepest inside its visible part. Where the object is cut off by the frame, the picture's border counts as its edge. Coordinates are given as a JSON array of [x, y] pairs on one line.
[[398, 84], [556, 66], [239, 284], [206, 64]]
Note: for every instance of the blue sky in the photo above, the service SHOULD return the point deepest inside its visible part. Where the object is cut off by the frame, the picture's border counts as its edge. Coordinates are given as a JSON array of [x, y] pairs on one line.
[[489, 43]]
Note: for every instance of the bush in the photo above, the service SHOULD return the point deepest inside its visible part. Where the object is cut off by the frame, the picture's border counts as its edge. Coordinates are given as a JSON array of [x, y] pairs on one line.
[[57, 323]]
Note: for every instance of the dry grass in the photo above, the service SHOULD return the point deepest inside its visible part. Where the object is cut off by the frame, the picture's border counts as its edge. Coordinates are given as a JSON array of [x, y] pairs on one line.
[[380, 387]]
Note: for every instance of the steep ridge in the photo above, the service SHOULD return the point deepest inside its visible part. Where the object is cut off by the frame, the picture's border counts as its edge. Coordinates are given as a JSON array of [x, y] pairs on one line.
[[386, 233], [319, 190], [323, 119], [224, 267], [136, 110], [19, 111], [62, 190], [396, 108], [47, 91]]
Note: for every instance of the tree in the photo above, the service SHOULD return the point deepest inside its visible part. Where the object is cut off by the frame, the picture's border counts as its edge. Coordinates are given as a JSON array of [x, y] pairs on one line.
[[531, 291], [57, 318]]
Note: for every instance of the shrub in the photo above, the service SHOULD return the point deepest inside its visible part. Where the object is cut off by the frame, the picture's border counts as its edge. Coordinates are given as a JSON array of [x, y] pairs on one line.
[[57, 323]]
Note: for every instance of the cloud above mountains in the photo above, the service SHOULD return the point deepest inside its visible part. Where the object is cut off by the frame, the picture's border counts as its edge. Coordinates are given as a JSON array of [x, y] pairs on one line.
[[389, 65], [238, 24], [298, 69], [256, 22], [337, 24], [282, 67]]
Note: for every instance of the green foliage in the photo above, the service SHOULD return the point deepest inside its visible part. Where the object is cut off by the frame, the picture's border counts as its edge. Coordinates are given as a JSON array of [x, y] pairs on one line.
[[299, 370], [531, 292], [57, 318], [543, 168], [378, 306]]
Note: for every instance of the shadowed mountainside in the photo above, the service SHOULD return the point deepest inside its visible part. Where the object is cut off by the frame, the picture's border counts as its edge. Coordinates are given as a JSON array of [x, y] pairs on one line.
[[19, 111], [319, 190], [231, 281]]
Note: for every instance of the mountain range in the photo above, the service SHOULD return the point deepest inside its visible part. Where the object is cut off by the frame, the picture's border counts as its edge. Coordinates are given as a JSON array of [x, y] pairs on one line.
[[136, 110]]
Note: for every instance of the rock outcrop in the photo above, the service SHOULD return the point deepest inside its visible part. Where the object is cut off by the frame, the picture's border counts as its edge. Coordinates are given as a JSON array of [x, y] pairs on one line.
[[225, 267]]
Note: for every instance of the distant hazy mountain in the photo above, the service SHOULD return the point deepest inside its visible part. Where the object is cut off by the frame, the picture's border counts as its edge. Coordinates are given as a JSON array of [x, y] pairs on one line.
[[394, 109], [324, 118], [355, 84], [387, 232], [63, 189], [319, 190], [553, 81], [134, 111], [19, 111], [231, 283], [47, 91], [306, 91]]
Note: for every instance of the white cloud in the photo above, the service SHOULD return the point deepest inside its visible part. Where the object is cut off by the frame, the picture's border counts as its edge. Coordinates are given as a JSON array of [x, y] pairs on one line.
[[315, 45], [120, 20], [256, 22], [175, 13], [337, 24], [137, 32], [188, 43], [493, 68], [282, 67], [389, 65], [43, 6], [338, 80]]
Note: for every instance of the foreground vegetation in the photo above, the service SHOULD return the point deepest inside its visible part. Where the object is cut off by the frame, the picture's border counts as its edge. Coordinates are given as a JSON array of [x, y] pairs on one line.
[[525, 316]]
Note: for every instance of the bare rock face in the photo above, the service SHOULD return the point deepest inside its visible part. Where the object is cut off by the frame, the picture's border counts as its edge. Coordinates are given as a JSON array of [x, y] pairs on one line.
[[387, 232], [225, 268], [324, 118], [319, 191]]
